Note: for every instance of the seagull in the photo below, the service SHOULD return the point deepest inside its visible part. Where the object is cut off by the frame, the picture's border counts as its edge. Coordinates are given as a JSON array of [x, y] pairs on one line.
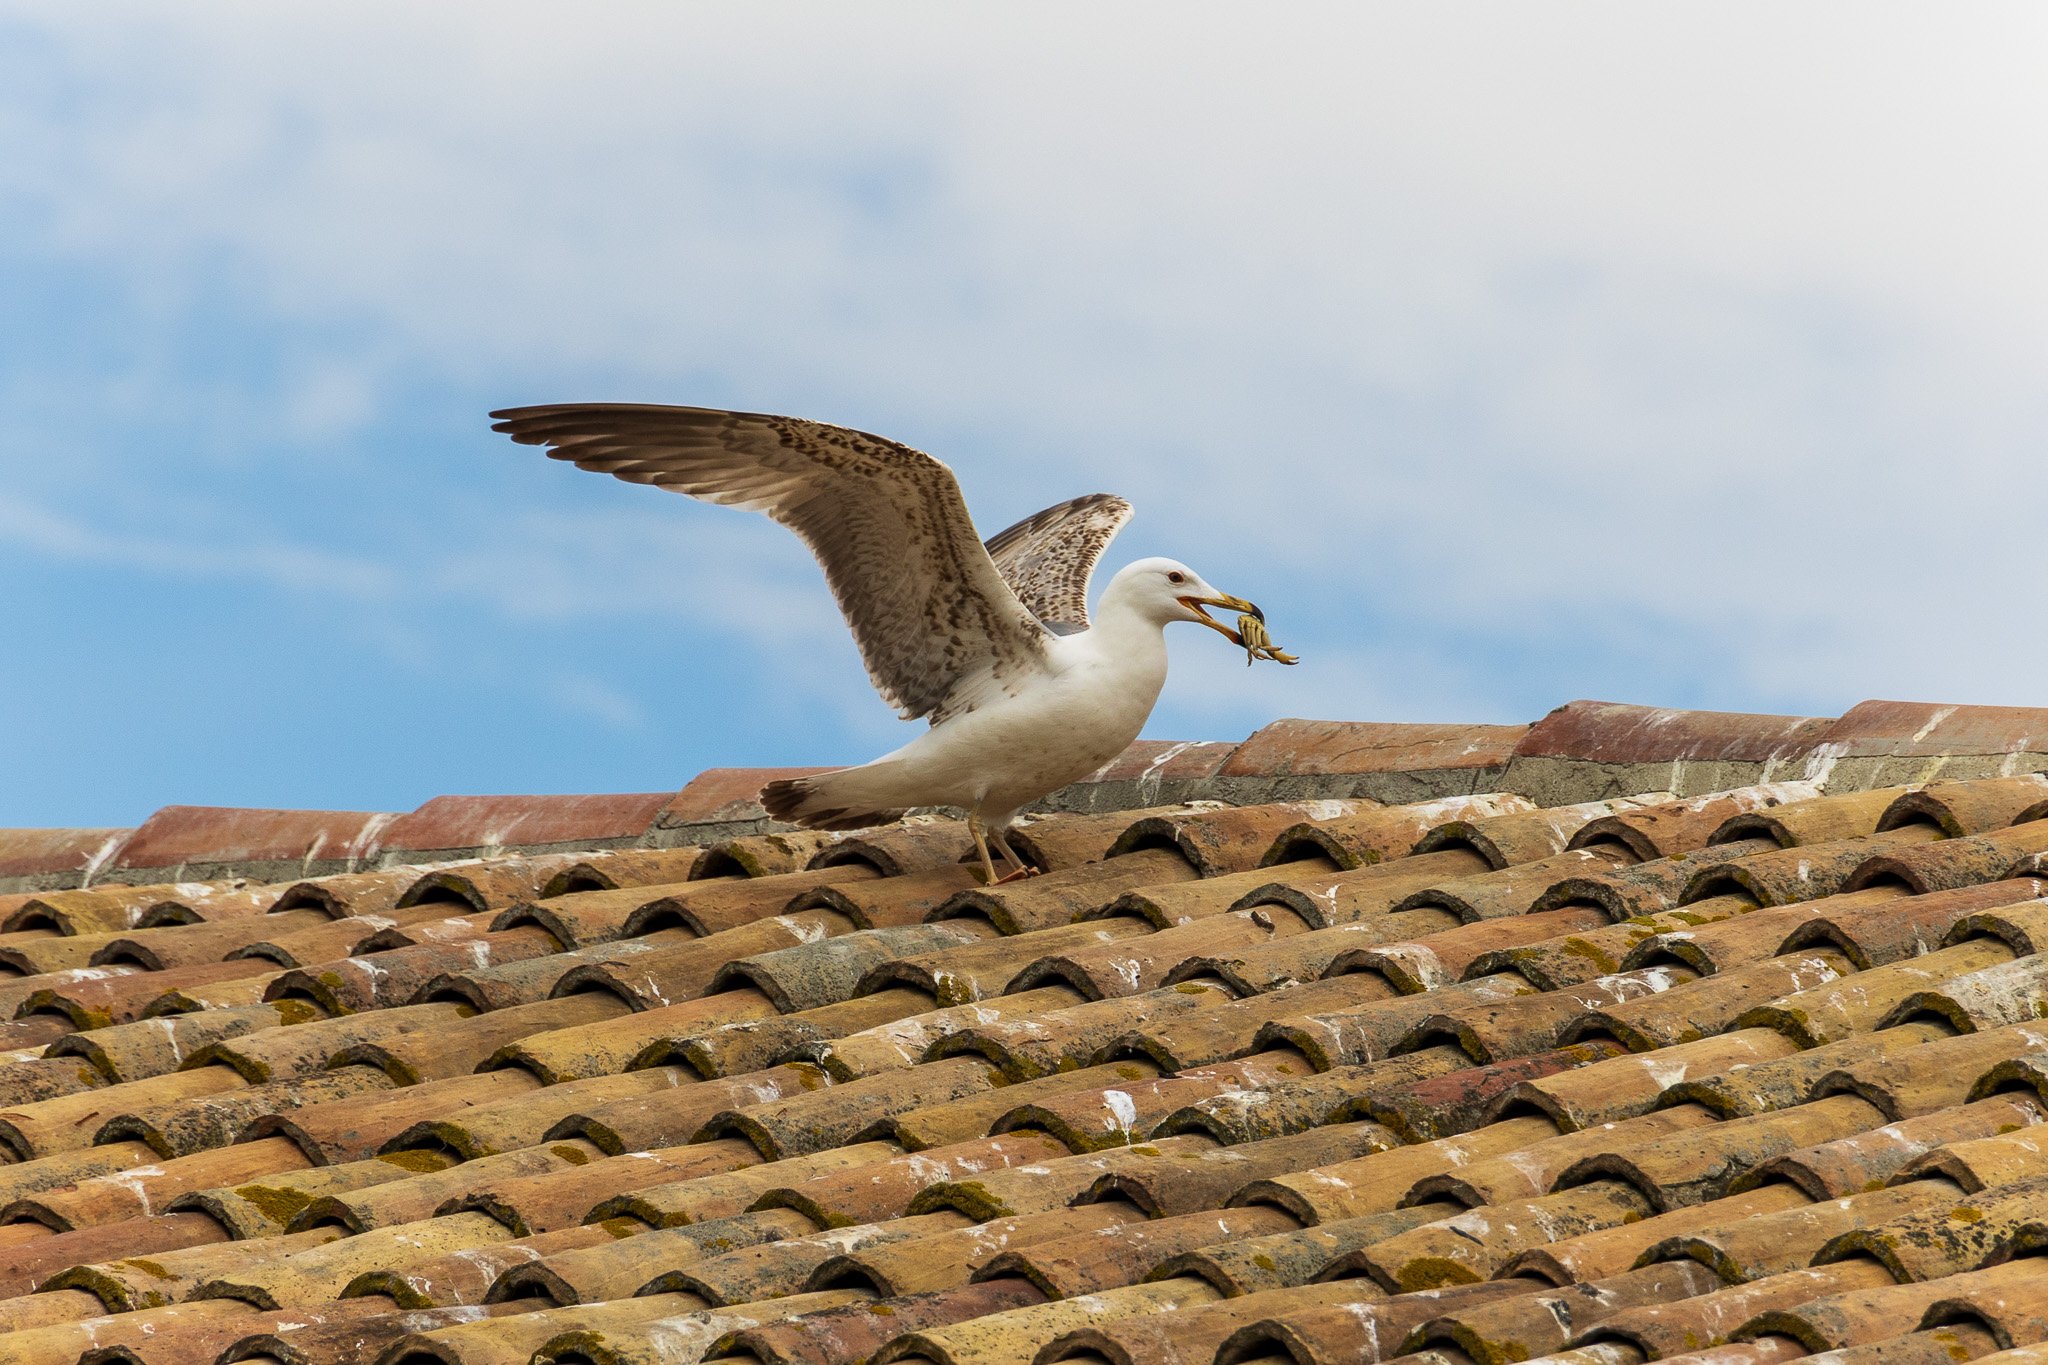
[[991, 643]]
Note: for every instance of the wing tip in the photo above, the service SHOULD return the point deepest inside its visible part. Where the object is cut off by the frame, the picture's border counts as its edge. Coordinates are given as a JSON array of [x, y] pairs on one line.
[[521, 424]]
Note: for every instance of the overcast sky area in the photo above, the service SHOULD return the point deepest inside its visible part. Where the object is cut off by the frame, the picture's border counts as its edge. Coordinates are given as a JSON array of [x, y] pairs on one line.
[[1679, 354]]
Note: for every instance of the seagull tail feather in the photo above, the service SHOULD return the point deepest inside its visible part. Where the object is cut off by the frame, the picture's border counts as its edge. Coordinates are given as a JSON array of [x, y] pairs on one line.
[[809, 802]]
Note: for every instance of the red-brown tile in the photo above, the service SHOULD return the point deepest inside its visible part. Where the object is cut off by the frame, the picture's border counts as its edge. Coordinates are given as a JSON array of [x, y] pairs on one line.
[[1164, 760], [1289, 748], [1911, 729], [1612, 732], [1667, 1329], [495, 822], [1220, 842], [1376, 835], [179, 835], [857, 1330], [101, 909], [50, 852], [1865, 1161], [722, 795], [612, 869], [1610, 1251], [1969, 807], [1674, 827]]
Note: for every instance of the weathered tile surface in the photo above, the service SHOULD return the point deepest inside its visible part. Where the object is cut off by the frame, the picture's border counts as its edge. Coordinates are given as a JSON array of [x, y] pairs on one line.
[[1433, 1043]]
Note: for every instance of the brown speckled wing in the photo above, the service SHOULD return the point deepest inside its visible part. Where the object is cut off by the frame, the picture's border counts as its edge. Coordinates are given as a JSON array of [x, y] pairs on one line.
[[939, 629], [1048, 558]]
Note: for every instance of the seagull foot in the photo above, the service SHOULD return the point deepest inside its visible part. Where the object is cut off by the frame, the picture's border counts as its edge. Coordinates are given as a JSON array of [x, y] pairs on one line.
[[1017, 876]]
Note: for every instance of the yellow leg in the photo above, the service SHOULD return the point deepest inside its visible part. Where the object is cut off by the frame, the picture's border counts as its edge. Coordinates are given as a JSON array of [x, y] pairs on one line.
[[1022, 869], [981, 846]]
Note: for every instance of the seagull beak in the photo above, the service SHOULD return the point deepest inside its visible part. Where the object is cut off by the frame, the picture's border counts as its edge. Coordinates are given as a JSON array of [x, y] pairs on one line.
[[1236, 604]]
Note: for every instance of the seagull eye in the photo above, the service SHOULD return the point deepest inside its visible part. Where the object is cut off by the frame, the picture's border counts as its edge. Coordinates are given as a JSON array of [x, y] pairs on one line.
[[1176, 577]]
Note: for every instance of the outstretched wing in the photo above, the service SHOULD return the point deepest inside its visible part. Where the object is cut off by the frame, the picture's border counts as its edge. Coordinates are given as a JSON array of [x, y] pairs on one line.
[[1048, 558], [937, 626]]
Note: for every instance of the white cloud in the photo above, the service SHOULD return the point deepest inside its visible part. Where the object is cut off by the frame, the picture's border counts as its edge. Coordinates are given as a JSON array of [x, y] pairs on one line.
[[1713, 318], [27, 526]]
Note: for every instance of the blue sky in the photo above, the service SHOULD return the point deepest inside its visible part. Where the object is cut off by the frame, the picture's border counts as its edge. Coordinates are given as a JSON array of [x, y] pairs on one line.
[[1680, 354]]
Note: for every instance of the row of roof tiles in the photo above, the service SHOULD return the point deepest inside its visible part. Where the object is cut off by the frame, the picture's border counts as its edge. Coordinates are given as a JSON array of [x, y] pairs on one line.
[[1580, 751], [1736, 1078]]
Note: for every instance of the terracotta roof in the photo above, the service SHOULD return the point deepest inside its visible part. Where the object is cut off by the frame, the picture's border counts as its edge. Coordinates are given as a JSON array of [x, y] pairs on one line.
[[1629, 1035]]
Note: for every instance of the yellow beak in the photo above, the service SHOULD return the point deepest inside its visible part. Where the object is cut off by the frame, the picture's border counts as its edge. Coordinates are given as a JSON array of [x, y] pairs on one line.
[[1237, 604]]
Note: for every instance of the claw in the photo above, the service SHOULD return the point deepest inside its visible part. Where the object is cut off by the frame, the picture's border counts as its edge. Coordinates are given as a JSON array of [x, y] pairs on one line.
[[1258, 644]]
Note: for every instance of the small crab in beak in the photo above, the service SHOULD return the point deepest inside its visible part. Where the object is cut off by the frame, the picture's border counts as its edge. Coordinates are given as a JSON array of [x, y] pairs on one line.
[[1250, 635], [1237, 604]]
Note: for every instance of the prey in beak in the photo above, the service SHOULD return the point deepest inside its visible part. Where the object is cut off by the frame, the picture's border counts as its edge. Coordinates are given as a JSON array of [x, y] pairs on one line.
[[1237, 604], [1250, 635]]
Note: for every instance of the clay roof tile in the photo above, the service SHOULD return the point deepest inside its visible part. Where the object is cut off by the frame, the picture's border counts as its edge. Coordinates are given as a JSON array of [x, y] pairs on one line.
[[908, 1040], [1511, 892], [1975, 806], [1294, 747], [1346, 1319], [724, 796], [2009, 1300], [1127, 965], [779, 1269], [735, 1047], [1064, 896], [1672, 827], [1835, 1322], [855, 1331], [1792, 1078], [201, 837], [1946, 864], [982, 969], [997, 1335], [671, 965], [666, 1115], [1526, 1326], [30, 854], [620, 868], [1505, 840], [496, 823], [1710, 1319], [948, 1260], [1076, 1035], [609, 1046], [1803, 873], [1641, 889], [1106, 1258], [1717, 1003], [615, 1267], [1139, 1028], [1616, 733], [1475, 1245], [1376, 834], [891, 901], [1865, 1161], [1234, 839], [1610, 1251], [1816, 819], [827, 970], [1623, 1086], [1697, 1165], [101, 909]]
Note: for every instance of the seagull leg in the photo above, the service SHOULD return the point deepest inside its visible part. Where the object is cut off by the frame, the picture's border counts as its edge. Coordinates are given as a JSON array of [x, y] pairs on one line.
[[1023, 869], [981, 846]]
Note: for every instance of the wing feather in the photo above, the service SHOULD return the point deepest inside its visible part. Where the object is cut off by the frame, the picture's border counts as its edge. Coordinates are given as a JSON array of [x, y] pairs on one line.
[[938, 627], [1048, 558]]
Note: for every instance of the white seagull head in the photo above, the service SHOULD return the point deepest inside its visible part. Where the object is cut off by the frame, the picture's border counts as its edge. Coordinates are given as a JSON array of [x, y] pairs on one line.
[[1161, 590]]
